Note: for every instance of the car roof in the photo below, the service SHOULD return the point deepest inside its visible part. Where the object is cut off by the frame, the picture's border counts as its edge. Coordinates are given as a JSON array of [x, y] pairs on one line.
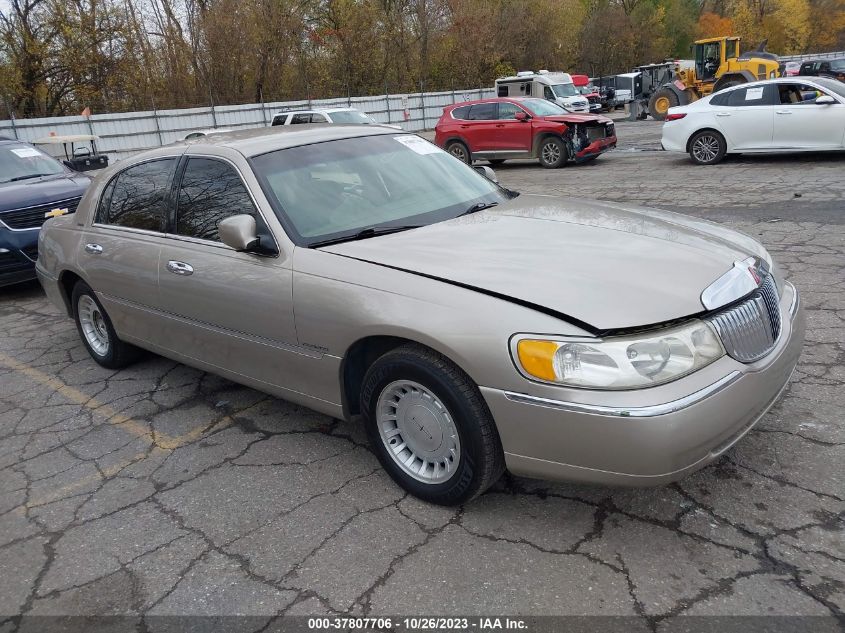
[[261, 140], [492, 100]]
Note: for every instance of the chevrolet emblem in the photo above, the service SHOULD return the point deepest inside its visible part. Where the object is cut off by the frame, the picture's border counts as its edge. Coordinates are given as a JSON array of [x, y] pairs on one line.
[[54, 213]]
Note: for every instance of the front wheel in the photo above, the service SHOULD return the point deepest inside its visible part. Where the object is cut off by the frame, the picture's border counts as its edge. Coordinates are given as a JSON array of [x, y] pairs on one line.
[[553, 153], [430, 427], [96, 330], [707, 147]]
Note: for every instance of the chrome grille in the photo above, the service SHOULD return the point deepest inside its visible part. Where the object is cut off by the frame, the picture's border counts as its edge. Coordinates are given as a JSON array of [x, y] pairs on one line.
[[33, 217], [750, 328]]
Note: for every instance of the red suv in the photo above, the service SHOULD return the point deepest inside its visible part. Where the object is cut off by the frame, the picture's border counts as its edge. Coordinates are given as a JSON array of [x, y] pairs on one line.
[[498, 129]]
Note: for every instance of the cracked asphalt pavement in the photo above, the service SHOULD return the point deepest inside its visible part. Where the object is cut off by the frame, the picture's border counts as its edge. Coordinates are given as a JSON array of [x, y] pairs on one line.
[[161, 490]]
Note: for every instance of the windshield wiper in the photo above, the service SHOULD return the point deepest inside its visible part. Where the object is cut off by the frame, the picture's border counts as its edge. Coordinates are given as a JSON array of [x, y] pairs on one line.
[[16, 178], [479, 206], [363, 234]]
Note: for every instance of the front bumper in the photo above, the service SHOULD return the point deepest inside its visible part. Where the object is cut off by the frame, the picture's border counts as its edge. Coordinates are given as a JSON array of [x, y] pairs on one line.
[[18, 252], [665, 433], [596, 148]]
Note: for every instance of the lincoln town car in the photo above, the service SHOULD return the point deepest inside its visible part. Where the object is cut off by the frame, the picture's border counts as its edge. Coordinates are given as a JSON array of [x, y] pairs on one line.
[[369, 275]]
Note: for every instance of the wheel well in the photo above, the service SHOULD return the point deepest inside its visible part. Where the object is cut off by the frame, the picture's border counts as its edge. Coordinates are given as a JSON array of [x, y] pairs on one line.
[[704, 129], [454, 139], [739, 77], [67, 280], [358, 359], [538, 141]]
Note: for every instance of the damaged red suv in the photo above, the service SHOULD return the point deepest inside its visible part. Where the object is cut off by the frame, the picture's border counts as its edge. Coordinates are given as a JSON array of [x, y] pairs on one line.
[[498, 129]]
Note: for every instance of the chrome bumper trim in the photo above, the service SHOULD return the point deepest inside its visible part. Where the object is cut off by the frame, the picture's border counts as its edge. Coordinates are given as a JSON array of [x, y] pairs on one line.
[[796, 300], [629, 412]]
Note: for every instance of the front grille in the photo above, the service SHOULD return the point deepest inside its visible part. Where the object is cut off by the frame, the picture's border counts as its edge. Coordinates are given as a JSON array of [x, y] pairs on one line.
[[750, 328], [34, 217], [596, 132], [9, 263]]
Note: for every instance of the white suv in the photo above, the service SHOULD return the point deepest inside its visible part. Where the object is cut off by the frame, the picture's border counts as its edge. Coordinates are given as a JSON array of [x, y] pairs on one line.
[[328, 115]]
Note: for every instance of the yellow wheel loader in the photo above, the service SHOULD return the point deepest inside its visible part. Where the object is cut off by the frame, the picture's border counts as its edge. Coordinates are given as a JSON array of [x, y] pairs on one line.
[[718, 64]]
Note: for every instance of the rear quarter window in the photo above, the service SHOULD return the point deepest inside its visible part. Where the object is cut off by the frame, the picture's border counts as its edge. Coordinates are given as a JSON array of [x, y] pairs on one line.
[[460, 113], [137, 197]]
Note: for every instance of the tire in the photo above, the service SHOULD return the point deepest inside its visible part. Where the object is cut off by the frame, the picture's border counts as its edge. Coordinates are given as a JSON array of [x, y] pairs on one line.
[[459, 454], [660, 102], [459, 151], [552, 153], [496, 161], [707, 147], [729, 84], [96, 330]]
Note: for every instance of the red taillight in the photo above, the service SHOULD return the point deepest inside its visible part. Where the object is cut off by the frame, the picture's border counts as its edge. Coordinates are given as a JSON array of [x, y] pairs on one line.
[[675, 117]]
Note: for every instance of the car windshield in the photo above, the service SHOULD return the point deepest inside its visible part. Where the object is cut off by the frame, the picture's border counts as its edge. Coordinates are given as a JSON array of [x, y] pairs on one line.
[[351, 116], [335, 189], [21, 162], [832, 85], [565, 90], [541, 107]]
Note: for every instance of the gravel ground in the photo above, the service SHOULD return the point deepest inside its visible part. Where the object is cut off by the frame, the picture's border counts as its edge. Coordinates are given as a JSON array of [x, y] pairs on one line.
[[160, 490]]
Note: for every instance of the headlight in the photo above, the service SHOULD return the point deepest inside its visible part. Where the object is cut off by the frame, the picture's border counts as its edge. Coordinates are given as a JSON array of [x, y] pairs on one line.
[[620, 362]]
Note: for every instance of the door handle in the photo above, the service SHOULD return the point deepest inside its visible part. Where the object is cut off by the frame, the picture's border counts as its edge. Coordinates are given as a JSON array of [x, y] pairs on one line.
[[180, 268], [94, 249], [723, 114], [784, 111], [500, 125]]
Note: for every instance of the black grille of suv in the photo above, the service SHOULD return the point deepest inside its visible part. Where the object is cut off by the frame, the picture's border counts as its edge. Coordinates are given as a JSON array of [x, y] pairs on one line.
[[10, 263], [34, 217]]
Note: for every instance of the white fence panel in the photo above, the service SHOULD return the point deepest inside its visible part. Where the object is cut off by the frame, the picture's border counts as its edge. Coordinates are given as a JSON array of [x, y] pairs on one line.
[[122, 134]]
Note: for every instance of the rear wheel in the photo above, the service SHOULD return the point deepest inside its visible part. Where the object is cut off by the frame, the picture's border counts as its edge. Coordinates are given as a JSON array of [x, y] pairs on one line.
[[96, 330], [552, 153], [430, 427], [459, 151], [707, 147], [660, 102]]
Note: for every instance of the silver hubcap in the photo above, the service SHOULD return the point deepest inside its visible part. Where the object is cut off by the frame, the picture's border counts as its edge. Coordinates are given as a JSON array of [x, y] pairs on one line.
[[93, 325], [418, 432], [705, 148], [551, 153], [458, 152]]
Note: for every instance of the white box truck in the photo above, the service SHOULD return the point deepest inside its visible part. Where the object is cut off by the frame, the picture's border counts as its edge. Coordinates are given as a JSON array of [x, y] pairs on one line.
[[556, 87]]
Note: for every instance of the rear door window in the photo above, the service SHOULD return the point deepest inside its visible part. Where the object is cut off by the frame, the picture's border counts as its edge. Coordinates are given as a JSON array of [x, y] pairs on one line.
[[750, 96], [138, 196], [482, 112], [211, 190], [300, 118]]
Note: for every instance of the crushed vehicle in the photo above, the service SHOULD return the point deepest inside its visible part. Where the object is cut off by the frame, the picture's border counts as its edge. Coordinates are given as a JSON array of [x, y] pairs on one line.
[[555, 87], [586, 88], [500, 129]]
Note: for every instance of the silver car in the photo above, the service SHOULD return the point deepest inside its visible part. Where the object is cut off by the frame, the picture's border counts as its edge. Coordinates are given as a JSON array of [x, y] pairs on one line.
[[367, 274]]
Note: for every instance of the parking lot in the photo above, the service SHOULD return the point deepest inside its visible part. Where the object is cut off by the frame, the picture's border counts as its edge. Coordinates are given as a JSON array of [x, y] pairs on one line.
[[160, 490]]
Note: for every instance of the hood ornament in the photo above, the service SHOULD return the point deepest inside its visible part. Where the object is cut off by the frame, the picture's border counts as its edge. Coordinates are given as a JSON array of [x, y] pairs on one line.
[[744, 278]]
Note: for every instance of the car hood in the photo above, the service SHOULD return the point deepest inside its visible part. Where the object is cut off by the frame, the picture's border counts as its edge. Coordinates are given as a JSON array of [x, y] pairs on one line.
[[606, 266], [576, 118], [38, 191]]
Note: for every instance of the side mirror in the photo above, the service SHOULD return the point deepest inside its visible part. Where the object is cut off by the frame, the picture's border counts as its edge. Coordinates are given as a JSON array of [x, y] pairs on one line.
[[488, 173], [521, 116], [239, 232], [825, 100]]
